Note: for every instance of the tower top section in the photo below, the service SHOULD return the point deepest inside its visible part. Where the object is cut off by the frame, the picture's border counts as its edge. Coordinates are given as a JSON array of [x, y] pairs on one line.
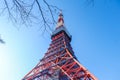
[[61, 27], [60, 21]]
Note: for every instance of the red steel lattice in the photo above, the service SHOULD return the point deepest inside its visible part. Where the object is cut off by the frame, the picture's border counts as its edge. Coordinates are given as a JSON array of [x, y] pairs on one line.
[[59, 62]]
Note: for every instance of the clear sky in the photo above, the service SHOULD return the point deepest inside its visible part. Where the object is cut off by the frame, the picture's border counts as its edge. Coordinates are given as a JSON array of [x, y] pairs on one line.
[[95, 34]]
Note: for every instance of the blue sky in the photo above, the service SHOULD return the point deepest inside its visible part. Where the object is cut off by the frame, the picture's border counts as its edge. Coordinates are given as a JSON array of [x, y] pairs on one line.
[[95, 34]]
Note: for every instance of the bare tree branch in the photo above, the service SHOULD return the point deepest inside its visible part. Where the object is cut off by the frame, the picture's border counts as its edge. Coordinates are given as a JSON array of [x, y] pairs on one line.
[[24, 13], [1, 40], [50, 10]]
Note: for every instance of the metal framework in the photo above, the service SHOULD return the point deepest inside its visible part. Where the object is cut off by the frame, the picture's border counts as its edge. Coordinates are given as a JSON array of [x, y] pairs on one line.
[[59, 62]]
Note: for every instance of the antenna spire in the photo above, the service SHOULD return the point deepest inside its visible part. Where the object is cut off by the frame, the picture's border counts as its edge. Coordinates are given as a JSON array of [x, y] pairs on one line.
[[60, 20]]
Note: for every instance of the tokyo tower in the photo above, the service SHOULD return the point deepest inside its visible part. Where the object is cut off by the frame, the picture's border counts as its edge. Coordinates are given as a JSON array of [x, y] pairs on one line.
[[59, 62]]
